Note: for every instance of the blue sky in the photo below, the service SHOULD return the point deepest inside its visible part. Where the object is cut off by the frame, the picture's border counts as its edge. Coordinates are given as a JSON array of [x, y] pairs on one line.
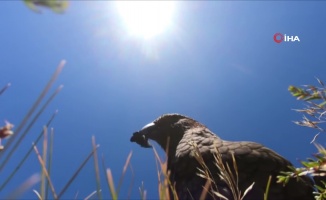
[[217, 63]]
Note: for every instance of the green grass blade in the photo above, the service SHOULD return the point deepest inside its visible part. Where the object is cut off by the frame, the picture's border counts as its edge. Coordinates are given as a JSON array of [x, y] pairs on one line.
[[267, 188]]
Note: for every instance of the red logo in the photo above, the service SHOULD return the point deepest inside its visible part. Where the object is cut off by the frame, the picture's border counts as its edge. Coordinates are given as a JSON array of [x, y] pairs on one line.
[[278, 37]]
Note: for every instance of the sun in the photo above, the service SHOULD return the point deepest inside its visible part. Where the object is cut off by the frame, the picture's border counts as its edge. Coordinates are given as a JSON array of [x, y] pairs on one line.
[[146, 18]]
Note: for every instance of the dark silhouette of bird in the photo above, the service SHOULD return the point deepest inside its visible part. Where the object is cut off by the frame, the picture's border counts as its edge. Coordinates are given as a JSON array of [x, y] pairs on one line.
[[183, 139]]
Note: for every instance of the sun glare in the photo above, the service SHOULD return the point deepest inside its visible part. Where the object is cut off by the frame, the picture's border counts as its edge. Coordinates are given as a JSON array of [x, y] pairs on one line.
[[146, 18]]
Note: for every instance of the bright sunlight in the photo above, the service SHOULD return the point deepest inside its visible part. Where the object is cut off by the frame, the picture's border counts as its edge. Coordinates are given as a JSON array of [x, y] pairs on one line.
[[146, 18]]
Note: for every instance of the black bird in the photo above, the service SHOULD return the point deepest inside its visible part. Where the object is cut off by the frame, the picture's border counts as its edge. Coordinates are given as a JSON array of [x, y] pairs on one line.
[[181, 137]]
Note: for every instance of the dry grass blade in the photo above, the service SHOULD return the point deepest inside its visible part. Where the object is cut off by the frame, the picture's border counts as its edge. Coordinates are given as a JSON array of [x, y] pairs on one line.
[[230, 176], [206, 188], [49, 162], [319, 81], [97, 173], [113, 192], [20, 139], [5, 88], [165, 184], [45, 149], [104, 167], [33, 108], [233, 179], [220, 195], [91, 195], [24, 187], [20, 164], [45, 171], [205, 171], [76, 195], [142, 191], [165, 187], [226, 174], [247, 190], [76, 173], [124, 171], [314, 138], [37, 194], [131, 182], [235, 166], [109, 178]]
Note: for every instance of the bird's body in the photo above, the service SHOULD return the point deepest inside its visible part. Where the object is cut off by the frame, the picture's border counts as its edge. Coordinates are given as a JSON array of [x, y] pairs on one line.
[[184, 139]]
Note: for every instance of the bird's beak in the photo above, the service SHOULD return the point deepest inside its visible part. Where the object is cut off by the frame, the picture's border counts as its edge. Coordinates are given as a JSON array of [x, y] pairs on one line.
[[140, 137], [148, 126]]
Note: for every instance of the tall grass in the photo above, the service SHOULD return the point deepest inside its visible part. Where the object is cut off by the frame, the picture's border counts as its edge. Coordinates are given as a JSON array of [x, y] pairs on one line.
[[166, 189], [14, 142]]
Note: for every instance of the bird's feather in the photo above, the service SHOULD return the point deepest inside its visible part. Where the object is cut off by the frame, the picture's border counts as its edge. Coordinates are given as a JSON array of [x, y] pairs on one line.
[[184, 139]]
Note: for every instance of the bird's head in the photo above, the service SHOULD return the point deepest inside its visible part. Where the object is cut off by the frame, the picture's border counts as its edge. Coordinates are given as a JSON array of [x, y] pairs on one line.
[[167, 130]]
